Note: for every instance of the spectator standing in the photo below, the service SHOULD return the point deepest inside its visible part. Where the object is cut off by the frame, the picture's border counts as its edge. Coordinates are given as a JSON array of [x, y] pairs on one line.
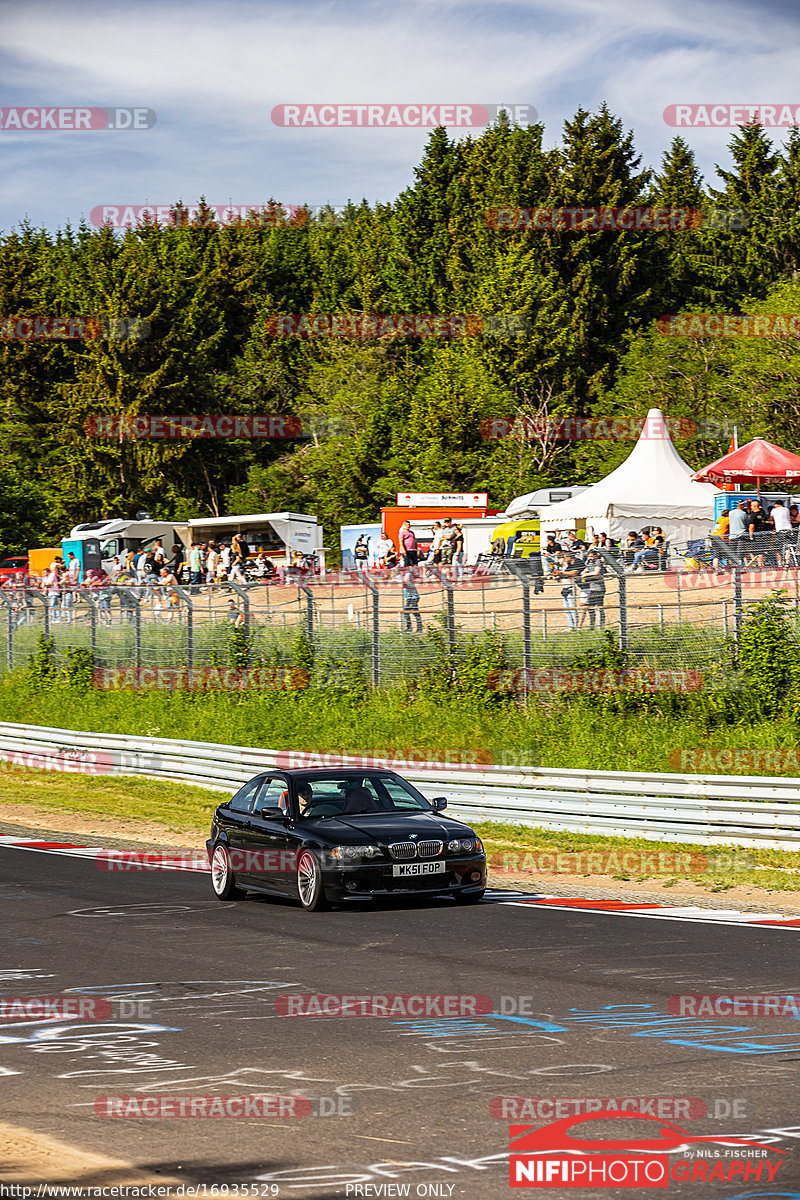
[[550, 553], [195, 566], [237, 566], [446, 541], [758, 531], [175, 564], [570, 571], [458, 551], [212, 562], [361, 552], [51, 582], [595, 585], [783, 531], [722, 530], [411, 600], [159, 557], [408, 545]]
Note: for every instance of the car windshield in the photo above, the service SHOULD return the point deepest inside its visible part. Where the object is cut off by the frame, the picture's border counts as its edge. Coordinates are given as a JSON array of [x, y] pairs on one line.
[[348, 793]]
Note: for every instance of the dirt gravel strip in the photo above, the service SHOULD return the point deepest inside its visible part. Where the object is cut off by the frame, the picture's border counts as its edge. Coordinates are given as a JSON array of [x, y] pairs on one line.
[[29, 1159]]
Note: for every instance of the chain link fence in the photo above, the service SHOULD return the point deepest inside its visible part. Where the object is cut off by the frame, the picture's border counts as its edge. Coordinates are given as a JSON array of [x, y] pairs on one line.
[[542, 631]]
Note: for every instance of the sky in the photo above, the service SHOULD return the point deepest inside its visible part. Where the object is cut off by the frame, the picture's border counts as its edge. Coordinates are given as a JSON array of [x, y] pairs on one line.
[[212, 73]]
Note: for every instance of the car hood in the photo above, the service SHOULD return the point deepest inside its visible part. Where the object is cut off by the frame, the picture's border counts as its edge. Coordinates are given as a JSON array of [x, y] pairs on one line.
[[371, 827]]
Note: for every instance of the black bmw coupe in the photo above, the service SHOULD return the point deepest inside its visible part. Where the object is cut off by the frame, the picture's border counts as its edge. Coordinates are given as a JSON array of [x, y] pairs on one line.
[[328, 835]]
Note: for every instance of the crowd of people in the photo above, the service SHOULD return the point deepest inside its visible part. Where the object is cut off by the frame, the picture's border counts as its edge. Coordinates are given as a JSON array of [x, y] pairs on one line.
[[757, 537], [148, 575]]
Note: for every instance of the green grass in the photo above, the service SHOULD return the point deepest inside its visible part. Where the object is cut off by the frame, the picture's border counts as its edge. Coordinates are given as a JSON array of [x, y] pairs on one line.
[[570, 734]]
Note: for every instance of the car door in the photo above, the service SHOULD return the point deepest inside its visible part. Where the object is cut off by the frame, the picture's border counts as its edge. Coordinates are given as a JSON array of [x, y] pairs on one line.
[[236, 819], [269, 844]]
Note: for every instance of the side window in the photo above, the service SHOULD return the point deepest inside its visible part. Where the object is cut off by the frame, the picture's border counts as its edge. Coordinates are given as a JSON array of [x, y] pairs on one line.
[[270, 795], [243, 800]]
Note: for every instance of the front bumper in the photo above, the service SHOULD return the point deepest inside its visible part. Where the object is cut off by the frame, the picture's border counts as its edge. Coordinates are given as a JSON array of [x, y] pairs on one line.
[[365, 880]]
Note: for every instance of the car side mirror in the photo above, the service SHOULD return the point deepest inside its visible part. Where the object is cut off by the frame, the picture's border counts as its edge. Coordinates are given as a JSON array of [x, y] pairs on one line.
[[271, 812], [439, 803]]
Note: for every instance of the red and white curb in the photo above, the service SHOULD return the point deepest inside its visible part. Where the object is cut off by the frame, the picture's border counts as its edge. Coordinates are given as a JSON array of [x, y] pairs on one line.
[[624, 908]]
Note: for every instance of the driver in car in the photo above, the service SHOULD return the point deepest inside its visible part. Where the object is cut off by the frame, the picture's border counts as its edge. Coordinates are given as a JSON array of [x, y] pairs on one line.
[[305, 795]]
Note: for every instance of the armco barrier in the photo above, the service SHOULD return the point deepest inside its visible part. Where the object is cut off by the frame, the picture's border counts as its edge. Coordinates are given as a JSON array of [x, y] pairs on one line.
[[719, 810]]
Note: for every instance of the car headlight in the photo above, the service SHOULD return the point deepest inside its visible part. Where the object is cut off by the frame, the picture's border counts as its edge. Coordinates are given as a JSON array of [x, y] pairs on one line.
[[349, 854], [471, 845]]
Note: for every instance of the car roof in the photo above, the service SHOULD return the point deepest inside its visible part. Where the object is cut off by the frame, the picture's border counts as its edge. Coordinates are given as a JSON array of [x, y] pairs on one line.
[[291, 772]]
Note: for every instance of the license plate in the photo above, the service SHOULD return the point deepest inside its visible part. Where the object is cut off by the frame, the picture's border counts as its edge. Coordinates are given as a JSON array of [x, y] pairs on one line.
[[431, 868]]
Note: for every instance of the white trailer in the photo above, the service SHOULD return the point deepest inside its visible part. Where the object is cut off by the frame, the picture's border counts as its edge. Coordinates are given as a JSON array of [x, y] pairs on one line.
[[277, 534]]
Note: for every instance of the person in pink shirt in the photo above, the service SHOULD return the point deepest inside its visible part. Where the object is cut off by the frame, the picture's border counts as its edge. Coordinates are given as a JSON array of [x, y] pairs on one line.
[[408, 545]]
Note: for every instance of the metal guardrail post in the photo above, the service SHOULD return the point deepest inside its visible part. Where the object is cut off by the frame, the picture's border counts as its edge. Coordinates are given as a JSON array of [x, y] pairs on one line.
[[376, 641], [187, 600], [622, 585], [522, 576], [309, 595]]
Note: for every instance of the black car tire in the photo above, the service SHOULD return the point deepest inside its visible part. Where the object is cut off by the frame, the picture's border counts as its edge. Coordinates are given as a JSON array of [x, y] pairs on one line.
[[310, 887], [223, 880], [469, 897]]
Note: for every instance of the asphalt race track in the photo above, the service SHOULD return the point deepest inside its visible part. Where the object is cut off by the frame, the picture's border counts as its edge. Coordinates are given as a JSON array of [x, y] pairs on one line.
[[579, 1009]]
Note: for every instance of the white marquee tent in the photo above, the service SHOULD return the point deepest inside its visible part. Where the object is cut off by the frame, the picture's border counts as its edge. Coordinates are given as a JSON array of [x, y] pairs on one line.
[[652, 486]]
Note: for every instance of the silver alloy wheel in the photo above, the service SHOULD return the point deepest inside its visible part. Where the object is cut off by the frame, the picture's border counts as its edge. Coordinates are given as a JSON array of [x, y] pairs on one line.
[[220, 869], [308, 880]]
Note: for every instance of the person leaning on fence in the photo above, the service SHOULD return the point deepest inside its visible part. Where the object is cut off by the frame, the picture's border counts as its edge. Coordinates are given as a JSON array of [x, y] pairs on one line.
[[411, 600], [570, 571], [593, 583], [234, 615]]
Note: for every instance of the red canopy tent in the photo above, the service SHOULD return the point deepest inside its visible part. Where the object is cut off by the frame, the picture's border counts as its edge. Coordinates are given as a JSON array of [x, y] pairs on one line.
[[750, 464]]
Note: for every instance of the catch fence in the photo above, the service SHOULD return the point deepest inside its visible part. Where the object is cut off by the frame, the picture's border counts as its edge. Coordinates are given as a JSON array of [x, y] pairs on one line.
[[670, 621]]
